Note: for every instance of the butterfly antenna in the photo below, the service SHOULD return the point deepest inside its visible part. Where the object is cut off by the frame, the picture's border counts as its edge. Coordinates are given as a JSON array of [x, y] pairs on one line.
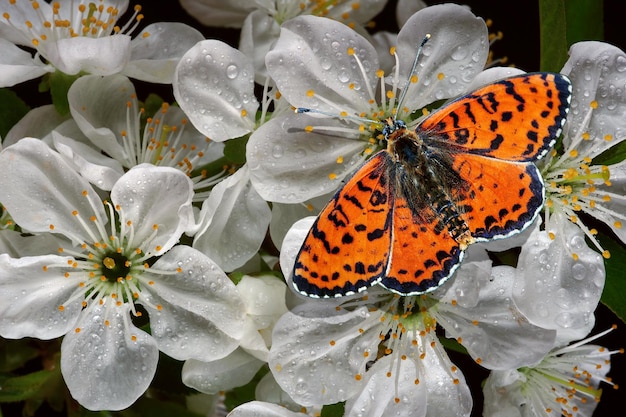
[[413, 69], [301, 110]]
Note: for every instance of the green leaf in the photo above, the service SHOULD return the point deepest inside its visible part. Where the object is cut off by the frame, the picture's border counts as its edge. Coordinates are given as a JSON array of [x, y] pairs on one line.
[[614, 294], [152, 104], [15, 353], [60, 84], [452, 345], [613, 155], [553, 35], [12, 109], [333, 410], [235, 150], [21, 388], [585, 20]]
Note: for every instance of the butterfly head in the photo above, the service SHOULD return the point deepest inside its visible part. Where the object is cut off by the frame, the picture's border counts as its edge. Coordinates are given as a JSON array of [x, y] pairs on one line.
[[391, 126]]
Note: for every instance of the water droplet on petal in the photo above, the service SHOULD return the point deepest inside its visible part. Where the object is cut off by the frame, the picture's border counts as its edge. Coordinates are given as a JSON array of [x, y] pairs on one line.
[[232, 71]]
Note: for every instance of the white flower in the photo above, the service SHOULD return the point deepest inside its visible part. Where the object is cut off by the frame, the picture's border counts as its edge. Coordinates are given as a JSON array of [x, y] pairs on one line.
[[565, 383], [214, 85], [81, 36], [107, 112], [322, 65], [380, 352], [122, 256], [260, 21], [577, 181], [264, 300]]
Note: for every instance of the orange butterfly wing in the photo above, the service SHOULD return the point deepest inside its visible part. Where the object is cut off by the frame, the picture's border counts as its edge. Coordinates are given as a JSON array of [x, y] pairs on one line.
[[423, 253], [516, 119], [501, 198], [347, 248]]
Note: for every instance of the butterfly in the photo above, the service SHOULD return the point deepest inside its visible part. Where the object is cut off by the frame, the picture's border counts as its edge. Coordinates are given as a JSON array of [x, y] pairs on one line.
[[464, 175]]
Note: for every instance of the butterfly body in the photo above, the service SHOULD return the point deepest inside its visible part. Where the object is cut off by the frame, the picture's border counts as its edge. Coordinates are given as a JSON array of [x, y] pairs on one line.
[[405, 218], [425, 179]]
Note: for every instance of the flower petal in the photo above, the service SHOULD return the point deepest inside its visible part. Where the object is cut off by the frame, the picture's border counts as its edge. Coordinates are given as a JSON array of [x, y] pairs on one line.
[[317, 351], [285, 215], [493, 331], [258, 35], [258, 408], [88, 96], [234, 221], [157, 201], [503, 394], [101, 56], [615, 217], [598, 78], [37, 123], [17, 65], [267, 389], [407, 8], [282, 151], [455, 54], [30, 296], [214, 85], [380, 394], [219, 13], [448, 393], [312, 55], [493, 74], [233, 371], [108, 366], [16, 244], [36, 177], [99, 170], [559, 295], [155, 52], [196, 313]]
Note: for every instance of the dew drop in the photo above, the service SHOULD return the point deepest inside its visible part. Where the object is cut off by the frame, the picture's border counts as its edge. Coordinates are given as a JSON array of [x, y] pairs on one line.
[[344, 76], [565, 320], [326, 63], [278, 151], [232, 71], [577, 242], [620, 63], [459, 53], [579, 271]]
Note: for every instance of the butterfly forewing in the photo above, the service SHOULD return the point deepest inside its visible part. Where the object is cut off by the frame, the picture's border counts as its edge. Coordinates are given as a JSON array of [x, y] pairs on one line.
[[514, 119], [347, 248]]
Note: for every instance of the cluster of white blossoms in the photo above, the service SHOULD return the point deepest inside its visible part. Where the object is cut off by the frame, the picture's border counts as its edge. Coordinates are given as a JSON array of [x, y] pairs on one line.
[[130, 229]]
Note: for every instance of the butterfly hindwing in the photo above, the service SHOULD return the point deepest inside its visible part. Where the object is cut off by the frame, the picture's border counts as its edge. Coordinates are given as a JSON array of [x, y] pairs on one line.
[[423, 253], [347, 248], [516, 119], [500, 198]]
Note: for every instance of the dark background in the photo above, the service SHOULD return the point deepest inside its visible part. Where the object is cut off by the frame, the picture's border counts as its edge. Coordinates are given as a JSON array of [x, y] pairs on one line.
[[519, 23]]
